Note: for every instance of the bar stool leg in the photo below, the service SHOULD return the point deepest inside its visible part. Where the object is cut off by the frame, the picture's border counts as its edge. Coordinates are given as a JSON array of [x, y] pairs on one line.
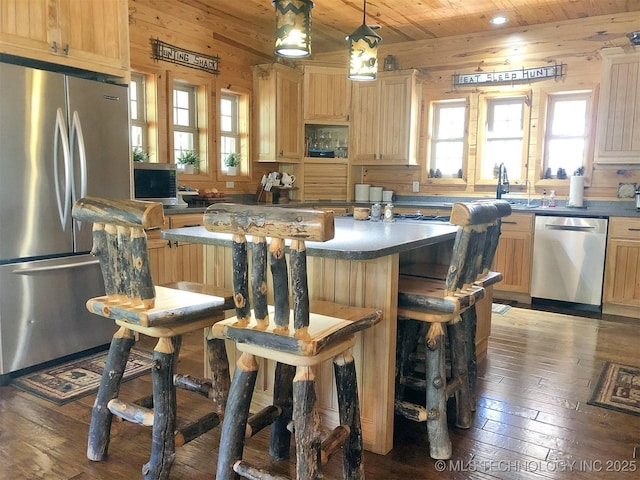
[[306, 424], [459, 367], [349, 408], [436, 403], [220, 377], [163, 447], [280, 444], [469, 322], [406, 345], [101, 417], [234, 424]]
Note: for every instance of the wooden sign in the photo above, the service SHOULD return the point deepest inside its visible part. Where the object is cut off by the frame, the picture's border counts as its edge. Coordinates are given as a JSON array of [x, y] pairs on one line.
[[524, 75], [170, 53]]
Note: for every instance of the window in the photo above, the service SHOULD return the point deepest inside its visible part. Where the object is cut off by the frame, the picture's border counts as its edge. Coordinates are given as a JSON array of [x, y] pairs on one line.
[[229, 127], [505, 136], [185, 125], [566, 135], [447, 150], [137, 113]]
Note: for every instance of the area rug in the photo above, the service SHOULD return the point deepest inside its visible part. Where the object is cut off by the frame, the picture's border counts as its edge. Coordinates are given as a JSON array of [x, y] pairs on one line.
[[78, 378], [618, 388], [499, 308]]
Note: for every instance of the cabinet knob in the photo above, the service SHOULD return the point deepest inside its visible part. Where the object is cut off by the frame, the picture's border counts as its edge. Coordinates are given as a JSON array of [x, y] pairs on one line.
[[54, 47], [65, 50]]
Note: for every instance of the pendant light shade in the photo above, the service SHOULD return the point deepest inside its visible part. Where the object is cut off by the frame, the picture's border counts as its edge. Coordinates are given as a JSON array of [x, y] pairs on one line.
[[363, 51], [293, 28]]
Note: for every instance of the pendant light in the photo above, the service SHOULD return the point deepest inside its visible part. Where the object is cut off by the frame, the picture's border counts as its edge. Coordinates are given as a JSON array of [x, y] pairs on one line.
[[363, 51], [293, 28]]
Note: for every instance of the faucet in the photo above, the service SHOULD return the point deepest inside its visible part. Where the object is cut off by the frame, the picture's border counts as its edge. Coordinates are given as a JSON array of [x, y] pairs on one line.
[[503, 181]]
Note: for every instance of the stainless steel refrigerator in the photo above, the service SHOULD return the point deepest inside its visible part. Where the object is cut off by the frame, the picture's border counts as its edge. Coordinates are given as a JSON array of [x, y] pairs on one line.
[[61, 138]]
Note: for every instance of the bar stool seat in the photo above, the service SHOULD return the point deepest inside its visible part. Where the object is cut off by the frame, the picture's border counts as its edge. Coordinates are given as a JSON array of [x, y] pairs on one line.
[[162, 312], [438, 304], [297, 335]]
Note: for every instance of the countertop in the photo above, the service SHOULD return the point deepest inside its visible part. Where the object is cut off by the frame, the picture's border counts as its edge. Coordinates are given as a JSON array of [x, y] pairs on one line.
[[591, 208], [354, 239]]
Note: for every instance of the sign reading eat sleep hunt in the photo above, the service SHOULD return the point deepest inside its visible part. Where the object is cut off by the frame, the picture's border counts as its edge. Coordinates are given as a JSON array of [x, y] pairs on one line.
[[512, 76]]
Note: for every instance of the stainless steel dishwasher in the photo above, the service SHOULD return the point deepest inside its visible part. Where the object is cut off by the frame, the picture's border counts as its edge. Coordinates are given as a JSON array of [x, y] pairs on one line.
[[568, 259]]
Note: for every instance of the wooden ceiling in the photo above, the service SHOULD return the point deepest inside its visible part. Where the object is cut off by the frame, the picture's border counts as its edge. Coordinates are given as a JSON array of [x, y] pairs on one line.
[[400, 20]]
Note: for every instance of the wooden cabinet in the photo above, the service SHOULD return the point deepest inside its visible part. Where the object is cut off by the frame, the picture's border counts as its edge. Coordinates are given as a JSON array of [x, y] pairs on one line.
[[278, 115], [89, 34], [327, 94], [618, 133], [175, 261], [622, 268], [514, 254], [384, 119]]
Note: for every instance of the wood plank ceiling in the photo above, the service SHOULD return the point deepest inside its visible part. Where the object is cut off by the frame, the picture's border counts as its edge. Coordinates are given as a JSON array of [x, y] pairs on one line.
[[253, 22]]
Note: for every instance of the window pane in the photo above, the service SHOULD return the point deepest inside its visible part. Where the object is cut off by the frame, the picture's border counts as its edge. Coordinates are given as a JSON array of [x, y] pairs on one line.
[[225, 124], [565, 153], [182, 141], [136, 137], [505, 119], [225, 107], [569, 117], [451, 124], [181, 117], [508, 152], [448, 158]]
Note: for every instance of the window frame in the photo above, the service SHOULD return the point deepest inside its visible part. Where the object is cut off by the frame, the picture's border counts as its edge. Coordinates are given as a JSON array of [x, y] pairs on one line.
[[243, 144], [516, 178], [193, 127], [435, 106], [141, 111], [545, 94]]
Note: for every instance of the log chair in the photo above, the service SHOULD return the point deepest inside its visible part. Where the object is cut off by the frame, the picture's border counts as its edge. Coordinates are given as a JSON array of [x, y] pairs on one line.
[[162, 312], [486, 278], [297, 335], [425, 302]]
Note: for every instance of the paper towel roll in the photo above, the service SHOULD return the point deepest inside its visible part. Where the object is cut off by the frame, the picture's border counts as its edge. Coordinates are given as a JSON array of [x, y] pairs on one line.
[[576, 189]]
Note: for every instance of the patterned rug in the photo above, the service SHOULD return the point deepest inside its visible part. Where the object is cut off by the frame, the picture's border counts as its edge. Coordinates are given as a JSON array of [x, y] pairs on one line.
[[618, 388], [78, 378]]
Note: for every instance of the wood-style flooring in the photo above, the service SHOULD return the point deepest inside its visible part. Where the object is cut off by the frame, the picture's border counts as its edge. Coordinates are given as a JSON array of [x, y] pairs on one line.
[[532, 421]]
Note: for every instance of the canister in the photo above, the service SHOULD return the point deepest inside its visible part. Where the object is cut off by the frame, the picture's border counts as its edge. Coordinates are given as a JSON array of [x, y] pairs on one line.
[[375, 194], [362, 192]]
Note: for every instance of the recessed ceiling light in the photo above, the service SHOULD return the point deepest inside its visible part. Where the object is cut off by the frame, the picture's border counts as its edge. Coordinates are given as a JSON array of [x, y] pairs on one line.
[[499, 20]]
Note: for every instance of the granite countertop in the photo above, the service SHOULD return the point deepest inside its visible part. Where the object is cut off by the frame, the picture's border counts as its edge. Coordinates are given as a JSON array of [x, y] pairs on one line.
[[354, 239]]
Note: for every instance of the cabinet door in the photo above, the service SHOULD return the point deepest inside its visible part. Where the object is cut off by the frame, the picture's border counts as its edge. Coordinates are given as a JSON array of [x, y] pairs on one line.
[[622, 266], [89, 34], [619, 109], [327, 94], [398, 121], [364, 121], [385, 120], [513, 256], [189, 258], [278, 110]]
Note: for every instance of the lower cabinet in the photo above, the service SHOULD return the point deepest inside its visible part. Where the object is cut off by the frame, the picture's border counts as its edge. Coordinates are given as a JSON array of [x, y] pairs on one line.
[[175, 261], [514, 254], [621, 294]]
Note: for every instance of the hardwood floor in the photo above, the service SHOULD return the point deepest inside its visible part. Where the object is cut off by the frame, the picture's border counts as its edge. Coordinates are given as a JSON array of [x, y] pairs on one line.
[[532, 421]]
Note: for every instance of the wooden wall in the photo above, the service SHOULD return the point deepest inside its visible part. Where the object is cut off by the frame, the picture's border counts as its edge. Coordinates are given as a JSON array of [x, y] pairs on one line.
[[575, 43], [197, 30]]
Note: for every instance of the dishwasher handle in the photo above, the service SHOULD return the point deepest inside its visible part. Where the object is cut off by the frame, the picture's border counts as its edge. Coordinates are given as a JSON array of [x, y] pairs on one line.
[[572, 228]]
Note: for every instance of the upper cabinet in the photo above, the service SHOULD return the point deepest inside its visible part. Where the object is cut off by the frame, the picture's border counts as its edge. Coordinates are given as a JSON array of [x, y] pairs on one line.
[[327, 94], [384, 119], [278, 102], [91, 35], [618, 135]]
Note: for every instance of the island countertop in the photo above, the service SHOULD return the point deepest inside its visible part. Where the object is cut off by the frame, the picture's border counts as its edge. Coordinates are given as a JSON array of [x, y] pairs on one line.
[[354, 239]]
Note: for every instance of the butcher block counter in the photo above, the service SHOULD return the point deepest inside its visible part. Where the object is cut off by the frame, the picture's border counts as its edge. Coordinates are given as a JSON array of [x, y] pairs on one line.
[[359, 267]]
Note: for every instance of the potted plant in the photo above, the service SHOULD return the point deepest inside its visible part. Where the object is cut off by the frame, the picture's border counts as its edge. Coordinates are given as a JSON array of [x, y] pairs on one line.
[[189, 160], [139, 155], [231, 162]]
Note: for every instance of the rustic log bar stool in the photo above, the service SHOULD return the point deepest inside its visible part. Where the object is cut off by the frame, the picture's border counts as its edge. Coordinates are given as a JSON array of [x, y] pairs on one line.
[[434, 302], [132, 301], [293, 337]]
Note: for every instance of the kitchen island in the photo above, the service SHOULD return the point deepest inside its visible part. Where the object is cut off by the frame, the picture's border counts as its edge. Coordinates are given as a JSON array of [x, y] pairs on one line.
[[359, 267]]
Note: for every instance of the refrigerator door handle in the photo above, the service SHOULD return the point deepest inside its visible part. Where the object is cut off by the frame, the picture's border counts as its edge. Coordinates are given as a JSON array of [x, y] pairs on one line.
[[63, 198], [66, 266], [76, 130]]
